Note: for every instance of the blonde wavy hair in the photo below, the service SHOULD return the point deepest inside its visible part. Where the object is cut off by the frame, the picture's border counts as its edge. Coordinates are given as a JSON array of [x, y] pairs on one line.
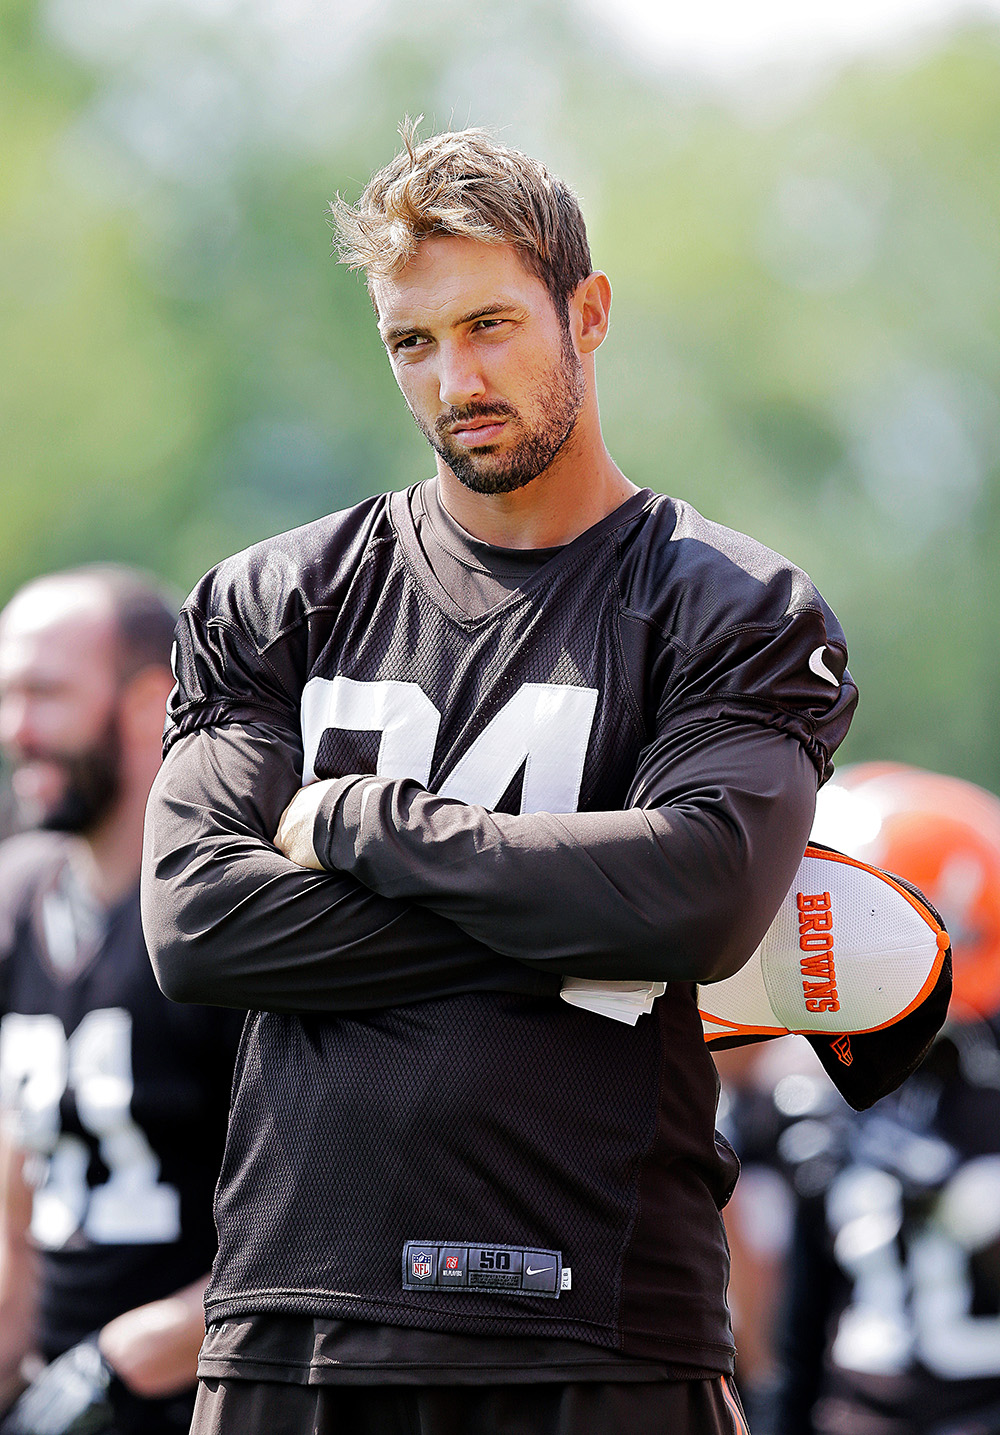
[[464, 184]]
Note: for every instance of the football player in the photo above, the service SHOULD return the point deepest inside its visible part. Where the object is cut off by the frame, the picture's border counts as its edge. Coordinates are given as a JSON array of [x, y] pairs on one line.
[[545, 724], [894, 1326], [114, 1099]]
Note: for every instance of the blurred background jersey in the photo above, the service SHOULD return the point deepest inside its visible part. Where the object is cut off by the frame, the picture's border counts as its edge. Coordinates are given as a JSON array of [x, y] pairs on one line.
[[118, 1097]]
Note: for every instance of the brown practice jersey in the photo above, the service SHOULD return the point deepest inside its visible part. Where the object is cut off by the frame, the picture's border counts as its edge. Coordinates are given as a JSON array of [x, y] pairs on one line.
[[609, 773], [117, 1096]]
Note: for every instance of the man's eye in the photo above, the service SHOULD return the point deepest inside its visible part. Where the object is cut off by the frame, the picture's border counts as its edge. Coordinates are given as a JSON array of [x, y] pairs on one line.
[[408, 343]]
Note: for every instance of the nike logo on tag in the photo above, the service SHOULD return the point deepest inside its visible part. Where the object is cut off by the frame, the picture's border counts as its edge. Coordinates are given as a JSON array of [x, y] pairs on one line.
[[538, 1270], [817, 665]]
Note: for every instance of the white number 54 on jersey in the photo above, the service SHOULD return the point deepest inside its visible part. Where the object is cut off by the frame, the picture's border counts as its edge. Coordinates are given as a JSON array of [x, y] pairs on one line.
[[545, 727]]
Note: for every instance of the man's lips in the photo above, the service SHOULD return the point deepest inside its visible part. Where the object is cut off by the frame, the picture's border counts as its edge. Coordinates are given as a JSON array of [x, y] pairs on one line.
[[477, 432], [38, 783]]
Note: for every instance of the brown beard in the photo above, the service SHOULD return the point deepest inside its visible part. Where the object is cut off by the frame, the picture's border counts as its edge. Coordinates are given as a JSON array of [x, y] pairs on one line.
[[483, 471], [93, 782]]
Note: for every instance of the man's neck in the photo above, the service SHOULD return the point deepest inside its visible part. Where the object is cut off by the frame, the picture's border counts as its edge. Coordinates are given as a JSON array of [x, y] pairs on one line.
[[565, 500]]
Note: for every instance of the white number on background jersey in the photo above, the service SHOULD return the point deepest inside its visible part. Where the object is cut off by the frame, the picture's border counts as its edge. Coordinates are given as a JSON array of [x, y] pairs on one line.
[[545, 726], [912, 1307], [37, 1065]]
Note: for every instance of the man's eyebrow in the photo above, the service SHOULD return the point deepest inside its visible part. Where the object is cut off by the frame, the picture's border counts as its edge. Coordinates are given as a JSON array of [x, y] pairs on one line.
[[484, 311]]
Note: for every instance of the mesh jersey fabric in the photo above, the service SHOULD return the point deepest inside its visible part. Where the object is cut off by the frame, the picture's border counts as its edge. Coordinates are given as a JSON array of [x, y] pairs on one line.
[[80, 1007], [497, 1116]]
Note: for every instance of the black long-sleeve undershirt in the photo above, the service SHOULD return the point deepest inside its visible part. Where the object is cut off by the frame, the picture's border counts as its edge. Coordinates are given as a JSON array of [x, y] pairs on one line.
[[679, 889]]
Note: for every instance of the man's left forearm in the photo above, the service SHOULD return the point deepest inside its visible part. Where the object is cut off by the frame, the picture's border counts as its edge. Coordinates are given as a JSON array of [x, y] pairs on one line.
[[680, 891]]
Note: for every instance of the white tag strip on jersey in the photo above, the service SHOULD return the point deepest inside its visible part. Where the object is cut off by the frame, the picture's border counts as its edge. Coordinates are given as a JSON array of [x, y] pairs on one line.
[[622, 1001]]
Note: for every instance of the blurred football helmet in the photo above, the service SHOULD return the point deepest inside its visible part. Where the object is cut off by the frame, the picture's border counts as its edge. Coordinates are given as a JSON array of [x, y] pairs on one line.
[[943, 835]]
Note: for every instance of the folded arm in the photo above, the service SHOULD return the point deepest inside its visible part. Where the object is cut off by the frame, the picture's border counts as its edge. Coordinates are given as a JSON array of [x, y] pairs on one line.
[[680, 886], [231, 922]]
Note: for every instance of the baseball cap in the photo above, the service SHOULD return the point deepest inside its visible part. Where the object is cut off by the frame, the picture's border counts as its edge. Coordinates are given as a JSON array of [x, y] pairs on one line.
[[857, 961]]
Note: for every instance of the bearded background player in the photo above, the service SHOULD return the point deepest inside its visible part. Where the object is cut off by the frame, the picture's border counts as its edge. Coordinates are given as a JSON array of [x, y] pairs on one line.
[[114, 1099], [549, 725]]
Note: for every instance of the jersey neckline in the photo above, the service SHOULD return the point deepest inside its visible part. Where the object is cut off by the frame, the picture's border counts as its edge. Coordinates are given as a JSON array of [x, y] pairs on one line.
[[401, 518]]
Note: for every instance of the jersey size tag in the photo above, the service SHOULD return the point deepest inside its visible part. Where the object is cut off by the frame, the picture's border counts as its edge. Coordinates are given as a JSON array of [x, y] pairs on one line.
[[515, 1270]]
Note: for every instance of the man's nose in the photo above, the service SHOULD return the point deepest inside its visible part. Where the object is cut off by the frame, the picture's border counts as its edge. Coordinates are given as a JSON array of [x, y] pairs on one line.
[[16, 723], [460, 377]]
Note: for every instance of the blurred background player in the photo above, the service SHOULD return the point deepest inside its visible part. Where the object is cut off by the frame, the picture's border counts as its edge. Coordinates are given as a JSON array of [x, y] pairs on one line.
[[758, 1217], [114, 1099], [893, 1321]]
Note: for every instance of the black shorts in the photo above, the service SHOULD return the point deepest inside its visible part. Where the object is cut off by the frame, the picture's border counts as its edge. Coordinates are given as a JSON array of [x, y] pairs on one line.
[[675, 1407], [135, 1416]]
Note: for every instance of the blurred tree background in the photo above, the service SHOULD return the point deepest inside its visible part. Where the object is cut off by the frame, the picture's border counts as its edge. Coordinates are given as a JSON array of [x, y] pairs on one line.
[[807, 300]]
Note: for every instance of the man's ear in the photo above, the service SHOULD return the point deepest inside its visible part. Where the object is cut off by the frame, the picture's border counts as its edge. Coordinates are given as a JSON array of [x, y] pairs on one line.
[[144, 702], [590, 312]]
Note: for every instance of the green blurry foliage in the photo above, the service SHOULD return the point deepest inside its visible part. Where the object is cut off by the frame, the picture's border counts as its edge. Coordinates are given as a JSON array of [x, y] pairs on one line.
[[806, 335]]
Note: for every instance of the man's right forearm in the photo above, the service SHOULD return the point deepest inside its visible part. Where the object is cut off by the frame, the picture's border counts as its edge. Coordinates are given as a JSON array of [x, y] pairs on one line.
[[230, 922], [18, 1272]]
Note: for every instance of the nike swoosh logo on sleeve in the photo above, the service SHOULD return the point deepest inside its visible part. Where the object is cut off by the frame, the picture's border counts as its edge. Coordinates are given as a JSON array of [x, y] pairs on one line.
[[817, 665]]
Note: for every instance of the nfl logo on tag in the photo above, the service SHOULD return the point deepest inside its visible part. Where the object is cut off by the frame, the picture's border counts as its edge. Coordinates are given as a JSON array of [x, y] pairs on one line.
[[421, 1267]]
